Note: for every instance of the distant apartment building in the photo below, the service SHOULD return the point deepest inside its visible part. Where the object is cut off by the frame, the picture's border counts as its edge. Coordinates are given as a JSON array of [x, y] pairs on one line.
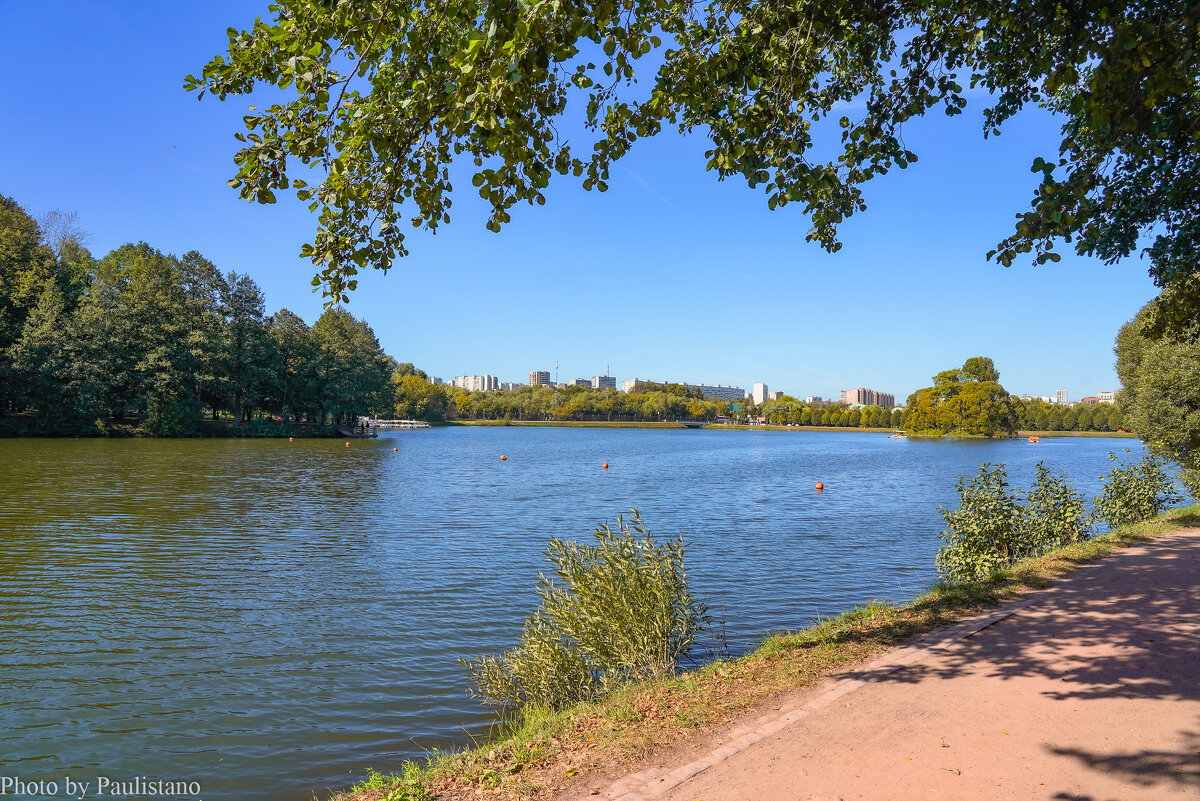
[[477, 383], [776, 395], [604, 382], [861, 396], [433, 379], [1060, 397], [1089, 400], [1106, 397], [509, 386], [539, 378], [814, 399], [580, 382], [759, 393], [630, 384], [719, 391], [1043, 398]]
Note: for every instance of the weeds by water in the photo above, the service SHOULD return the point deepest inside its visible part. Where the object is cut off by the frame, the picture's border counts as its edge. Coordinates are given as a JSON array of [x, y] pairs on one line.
[[616, 610]]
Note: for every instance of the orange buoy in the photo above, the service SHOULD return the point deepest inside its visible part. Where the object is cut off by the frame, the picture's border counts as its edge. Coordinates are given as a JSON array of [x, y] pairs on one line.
[[395, 449], [606, 465], [820, 486], [503, 458], [347, 444], [291, 439], [1035, 439]]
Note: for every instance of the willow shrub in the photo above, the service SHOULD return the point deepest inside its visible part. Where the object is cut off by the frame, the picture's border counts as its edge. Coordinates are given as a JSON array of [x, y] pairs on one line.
[[986, 532], [1056, 514], [1136, 492], [992, 529], [614, 611]]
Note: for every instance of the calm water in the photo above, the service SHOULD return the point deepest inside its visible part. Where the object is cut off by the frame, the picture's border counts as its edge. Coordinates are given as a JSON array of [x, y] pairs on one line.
[[271, 618]]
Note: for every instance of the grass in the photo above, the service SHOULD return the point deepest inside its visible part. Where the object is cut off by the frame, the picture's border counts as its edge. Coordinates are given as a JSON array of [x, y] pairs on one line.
[[546, 751]]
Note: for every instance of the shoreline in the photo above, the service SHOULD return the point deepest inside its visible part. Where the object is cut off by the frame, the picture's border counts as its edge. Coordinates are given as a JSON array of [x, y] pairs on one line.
[[228, 430], [565, 752]]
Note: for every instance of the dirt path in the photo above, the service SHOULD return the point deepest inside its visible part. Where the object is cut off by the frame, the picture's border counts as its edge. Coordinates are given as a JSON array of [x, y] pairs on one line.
[[1087, 691]]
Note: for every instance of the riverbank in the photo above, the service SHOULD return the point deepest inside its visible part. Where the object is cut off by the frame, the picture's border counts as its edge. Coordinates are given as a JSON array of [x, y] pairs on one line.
[[572, 750]]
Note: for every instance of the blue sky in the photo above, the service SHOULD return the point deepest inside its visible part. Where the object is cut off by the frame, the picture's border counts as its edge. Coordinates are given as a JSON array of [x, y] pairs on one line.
[[669, 275]]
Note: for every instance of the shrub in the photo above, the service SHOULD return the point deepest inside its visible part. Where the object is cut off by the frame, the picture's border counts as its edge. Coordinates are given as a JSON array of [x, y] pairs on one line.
[[616, 611], [1055, 513], [987, 531], [1136, 492]]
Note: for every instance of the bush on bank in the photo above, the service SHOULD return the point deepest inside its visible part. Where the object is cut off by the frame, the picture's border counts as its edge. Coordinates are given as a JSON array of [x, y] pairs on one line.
[[991, 529], [617, 611]]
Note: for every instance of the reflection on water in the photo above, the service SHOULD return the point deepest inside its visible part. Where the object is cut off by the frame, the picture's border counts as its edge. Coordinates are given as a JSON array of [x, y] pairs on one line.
[[272, 617]]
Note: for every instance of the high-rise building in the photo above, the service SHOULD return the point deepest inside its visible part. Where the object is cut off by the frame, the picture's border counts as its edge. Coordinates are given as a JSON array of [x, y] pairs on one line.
[[477, 383], [1060, 397], [1106, 397], [509, 386], [579, 382], [861, 396], [604, 382], [814, 399], [776, 395], [630, 384], [539, 377], [720, 391], [433, 379], [759, 393]]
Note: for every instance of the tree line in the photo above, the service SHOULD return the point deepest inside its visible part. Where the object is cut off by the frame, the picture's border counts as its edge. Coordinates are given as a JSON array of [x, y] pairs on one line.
[[416, 398], [149, 342]]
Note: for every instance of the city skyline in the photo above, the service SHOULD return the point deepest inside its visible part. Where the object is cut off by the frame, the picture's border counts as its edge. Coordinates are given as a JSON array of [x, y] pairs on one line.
[[859, 396]]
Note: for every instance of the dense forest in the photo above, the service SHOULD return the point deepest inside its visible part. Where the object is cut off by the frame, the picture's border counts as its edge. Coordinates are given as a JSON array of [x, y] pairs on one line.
[[140, 341]]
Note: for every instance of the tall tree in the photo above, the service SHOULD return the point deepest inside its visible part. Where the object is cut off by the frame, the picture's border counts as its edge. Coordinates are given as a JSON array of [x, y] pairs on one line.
[[1160, 396], [205, 290], [152, 331], [245, 346], [290, 383], [38, 360], [352, 369], [25, 267]]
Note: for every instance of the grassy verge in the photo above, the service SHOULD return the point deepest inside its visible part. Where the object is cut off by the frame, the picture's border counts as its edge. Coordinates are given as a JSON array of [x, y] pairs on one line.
[[547, 751]]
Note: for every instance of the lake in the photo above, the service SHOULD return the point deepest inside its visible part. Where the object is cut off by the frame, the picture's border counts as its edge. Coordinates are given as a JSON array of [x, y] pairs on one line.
[[270, 618]]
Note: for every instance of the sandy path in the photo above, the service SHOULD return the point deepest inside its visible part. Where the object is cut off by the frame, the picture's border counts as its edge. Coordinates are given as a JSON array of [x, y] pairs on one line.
[[1087, 691]]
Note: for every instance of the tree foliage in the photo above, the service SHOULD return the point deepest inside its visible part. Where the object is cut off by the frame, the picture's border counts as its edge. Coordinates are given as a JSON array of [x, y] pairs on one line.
[[159, 340], [1160, 399], [1136, 492], [382, 96], [967, 401]]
